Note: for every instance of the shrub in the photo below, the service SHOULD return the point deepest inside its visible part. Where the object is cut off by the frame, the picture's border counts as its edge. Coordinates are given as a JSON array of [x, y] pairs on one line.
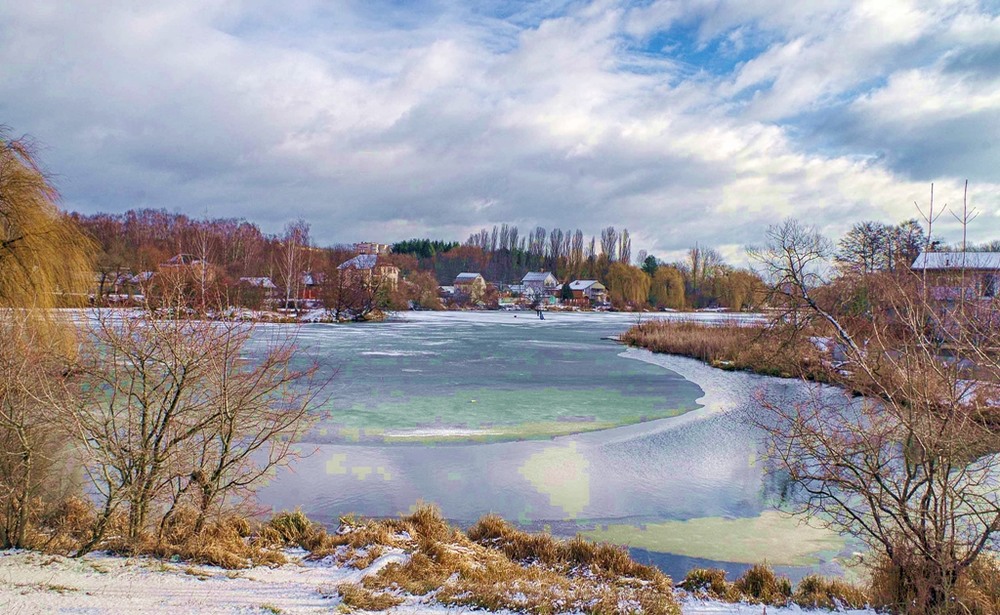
[[294, 528], [710, 583], [759, 584], [65, 527], [814, 591], [975, 592], [358, 597]]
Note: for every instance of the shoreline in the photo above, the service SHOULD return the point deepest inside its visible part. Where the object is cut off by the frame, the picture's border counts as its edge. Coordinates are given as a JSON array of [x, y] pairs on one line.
[[99, 583]]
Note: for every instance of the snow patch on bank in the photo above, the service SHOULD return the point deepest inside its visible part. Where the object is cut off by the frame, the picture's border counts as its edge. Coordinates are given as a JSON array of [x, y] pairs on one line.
[[712, 607], [100, 584]]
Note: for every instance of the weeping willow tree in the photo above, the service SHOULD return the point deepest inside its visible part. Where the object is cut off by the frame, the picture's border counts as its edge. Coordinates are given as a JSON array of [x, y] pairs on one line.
[[44, 258], [44, 264]]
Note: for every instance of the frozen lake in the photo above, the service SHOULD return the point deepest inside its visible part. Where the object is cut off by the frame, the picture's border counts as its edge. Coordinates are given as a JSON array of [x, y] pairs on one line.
[[551, 426]]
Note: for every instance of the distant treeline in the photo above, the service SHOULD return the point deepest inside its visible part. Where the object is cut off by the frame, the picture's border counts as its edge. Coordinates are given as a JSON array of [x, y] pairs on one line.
[[139, 240]]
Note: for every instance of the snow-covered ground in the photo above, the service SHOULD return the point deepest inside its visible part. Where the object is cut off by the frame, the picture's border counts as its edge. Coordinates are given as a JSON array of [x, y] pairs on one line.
[[99, 584], [37, 583]]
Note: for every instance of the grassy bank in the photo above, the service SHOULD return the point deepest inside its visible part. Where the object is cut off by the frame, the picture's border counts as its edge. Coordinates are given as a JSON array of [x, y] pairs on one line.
[[422, 559], [755, 348]]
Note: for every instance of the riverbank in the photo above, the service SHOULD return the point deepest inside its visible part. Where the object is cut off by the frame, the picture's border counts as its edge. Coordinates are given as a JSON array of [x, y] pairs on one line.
[[751, 346], [99, 584], [413, 564]]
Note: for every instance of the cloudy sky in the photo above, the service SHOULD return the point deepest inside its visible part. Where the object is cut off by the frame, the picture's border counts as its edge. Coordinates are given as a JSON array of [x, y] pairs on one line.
[[683, 120]]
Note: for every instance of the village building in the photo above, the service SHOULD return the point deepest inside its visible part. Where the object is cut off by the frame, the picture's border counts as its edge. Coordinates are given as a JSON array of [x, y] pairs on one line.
[[469, 283], [954, 275], [367, 269], [264, 283], [187, 265], [539, 283], [257, 291], [589, 289], [371, 247]]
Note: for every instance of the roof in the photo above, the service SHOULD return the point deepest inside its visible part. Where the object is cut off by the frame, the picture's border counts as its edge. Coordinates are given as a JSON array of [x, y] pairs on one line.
[[312, 279], [466, 277], [259, 282], [585, 284], [953, 261], [361, 261], [537, 276], [182, 259]]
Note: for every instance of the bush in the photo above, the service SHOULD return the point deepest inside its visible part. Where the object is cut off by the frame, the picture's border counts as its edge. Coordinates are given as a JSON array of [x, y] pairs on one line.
[[975, 592], [759, 584], [814, 591], [366, 600], [709, 583], [294, 528]]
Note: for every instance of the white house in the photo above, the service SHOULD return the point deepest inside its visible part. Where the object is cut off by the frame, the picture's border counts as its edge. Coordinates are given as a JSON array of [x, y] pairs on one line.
[[540, 282], [368, 268], [946, 272]]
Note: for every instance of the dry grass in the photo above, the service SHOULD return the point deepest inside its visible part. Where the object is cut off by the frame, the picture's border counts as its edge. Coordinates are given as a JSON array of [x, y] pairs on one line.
[[814, 591], [754, 348], [357, 597], [65, 527], [760, 585], [293, 529], [496, 566], [710, 583], [228, 542], [975, 592]]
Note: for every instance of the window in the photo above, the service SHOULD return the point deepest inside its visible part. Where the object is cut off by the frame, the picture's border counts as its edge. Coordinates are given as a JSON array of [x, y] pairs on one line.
[[990, 285]]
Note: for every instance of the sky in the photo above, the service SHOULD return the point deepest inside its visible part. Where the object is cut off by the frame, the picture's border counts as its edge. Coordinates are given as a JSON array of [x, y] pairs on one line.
[[682, 120]]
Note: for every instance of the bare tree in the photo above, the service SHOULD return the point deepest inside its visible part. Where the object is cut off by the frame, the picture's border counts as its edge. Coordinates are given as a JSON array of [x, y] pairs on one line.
[[625, 247], [555, 248], [260, 409], [609, 243], [291, 265], [33, 397], [911, 467], [168, 401]]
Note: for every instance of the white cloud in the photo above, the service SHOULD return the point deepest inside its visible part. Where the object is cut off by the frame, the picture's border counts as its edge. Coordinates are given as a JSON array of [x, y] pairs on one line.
[[385, 126]]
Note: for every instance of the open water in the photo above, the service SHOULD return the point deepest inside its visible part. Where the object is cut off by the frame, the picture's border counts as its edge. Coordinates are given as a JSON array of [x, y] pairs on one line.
[[551, 425]]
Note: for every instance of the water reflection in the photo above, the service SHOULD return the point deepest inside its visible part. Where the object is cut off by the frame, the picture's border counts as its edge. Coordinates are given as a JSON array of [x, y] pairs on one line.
[[699, 465], [562, 473]]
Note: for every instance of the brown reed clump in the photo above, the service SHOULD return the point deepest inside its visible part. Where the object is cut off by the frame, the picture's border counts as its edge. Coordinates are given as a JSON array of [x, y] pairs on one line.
[[496, 567], [358, 597], [814, 591], [736, 346], [976, 591], [710, 583], [760, 585]]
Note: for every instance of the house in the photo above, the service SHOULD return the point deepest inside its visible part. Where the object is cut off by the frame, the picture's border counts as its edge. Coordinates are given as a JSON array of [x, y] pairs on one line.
[[471, 284], [257, 291], [187, 266], [369, 270], [371, 247], [948, 272], [589, 289], [264, 283], [182, 260], [540, 283]]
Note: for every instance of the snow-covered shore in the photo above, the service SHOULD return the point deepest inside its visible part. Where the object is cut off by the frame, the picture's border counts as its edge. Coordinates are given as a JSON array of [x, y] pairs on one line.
[[32, 582]]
